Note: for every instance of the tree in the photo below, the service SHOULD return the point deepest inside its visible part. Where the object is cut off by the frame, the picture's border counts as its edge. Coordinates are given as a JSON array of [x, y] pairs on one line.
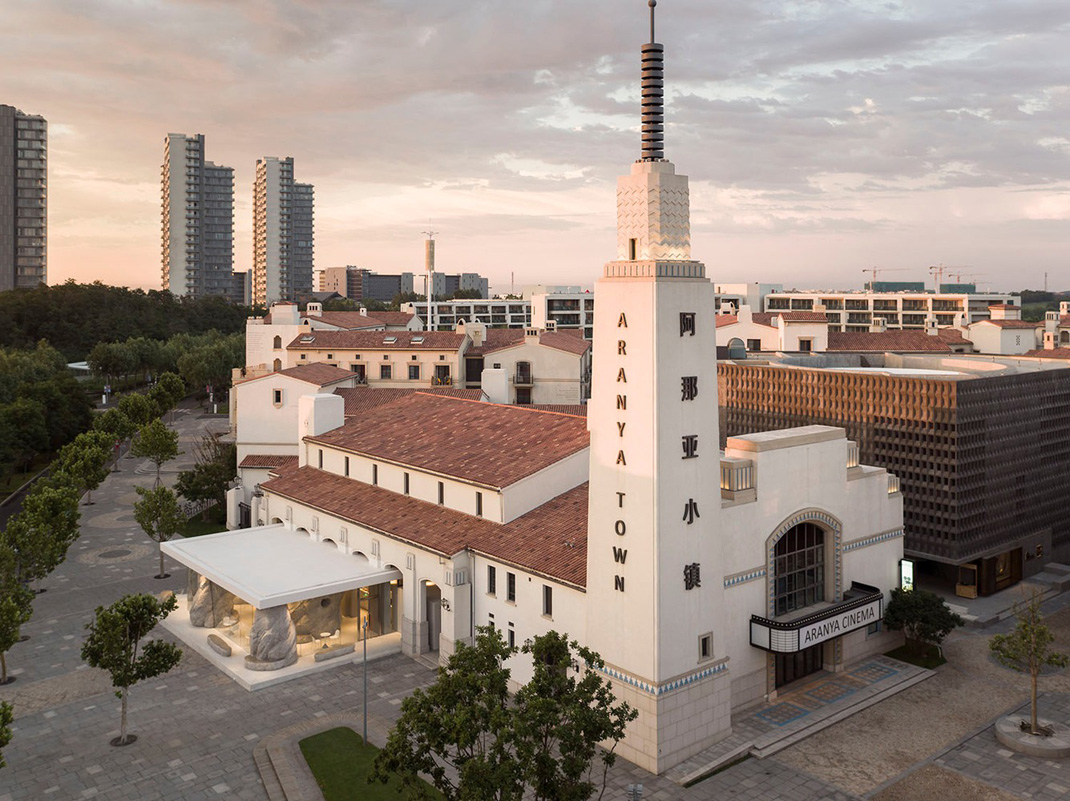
[[174, 386], [208, 479], [7, 717], [1027, 649], [16, 606], [85, 461], [922, 616], [157, 443], [116, 425], [114, 645], [460, 725], [561, 717], [43, 530], [159, 516], [139, 409], [542, 744]]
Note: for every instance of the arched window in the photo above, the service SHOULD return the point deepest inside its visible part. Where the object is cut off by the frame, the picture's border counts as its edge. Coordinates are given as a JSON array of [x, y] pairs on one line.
[[799, 568], [278, 365], [1064, 337], [278, 343], [737, 349]]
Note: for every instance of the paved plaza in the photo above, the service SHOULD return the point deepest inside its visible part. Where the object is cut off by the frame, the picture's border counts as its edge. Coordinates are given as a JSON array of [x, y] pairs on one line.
[[197, 729]]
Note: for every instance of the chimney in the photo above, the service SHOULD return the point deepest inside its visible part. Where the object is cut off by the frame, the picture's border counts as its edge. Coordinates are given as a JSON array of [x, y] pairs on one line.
[[314, 310], [1049, 340], [728, 307], [363, 311], [878, 326], [284, 314], [1002, 311], [931, 327], [1051, 321], [317, 414], [1064, 307]]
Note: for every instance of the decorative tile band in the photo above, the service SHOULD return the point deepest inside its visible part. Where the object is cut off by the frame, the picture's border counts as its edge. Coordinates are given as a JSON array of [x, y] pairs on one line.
[[669, 686], [741, 578], [864, 541]]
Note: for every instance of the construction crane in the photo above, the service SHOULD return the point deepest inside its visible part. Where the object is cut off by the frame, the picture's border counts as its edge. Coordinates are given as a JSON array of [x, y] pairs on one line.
[[877, 270], [938, 271]]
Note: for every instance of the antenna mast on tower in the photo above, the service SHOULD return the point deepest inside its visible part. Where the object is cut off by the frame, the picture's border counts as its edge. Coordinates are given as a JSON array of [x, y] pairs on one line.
[[429, 279]]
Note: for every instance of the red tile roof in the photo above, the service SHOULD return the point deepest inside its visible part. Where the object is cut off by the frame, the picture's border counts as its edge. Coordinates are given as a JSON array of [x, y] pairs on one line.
[[1010, 323], [1064, 320], [1055, 353], [768, 319], [550, 540], [353, 321], [359, 399], [886, 341], [270, 461], [502, 338], [484, 443], [575, 409], [953, 336], [803, 317], [319, 374], [377, 340]]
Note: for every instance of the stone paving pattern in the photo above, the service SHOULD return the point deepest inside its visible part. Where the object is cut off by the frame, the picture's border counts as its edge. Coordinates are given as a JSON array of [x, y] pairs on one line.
[[197, 729]]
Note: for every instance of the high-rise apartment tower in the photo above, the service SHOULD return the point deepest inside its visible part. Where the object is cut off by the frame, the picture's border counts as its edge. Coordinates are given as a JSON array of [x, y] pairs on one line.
[[282, 233], [23, 199], [198, 220]]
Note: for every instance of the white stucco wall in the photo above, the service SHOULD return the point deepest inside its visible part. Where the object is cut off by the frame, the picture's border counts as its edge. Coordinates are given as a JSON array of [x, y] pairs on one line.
[[557, 374]]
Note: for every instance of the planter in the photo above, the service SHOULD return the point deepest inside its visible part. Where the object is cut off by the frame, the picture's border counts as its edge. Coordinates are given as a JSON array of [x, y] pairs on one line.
[[1010, 734]]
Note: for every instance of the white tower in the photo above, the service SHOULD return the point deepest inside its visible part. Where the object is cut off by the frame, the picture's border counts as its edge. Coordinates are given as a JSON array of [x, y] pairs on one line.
[[654, 577]]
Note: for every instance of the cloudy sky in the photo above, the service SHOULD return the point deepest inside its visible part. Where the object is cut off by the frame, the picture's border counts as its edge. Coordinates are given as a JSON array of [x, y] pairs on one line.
[[821, 138]]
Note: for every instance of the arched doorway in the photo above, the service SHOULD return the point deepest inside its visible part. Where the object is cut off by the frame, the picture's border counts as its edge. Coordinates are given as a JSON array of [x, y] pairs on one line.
[[799, 574], [736, 348]]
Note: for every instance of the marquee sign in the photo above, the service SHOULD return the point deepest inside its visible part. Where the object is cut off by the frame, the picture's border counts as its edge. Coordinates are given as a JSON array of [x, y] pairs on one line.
[[862, 606]]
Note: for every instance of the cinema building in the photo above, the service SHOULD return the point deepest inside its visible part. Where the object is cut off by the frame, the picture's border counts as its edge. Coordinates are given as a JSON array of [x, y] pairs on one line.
[[980, 445], [708, 580]]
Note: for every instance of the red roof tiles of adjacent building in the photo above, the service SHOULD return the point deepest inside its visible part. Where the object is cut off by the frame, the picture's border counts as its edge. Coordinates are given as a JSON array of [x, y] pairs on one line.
[[1010, 323], [354, 320], [1064, 320], [270, 461], [377, 340], [886, 341], [952, 336], [769, 319], [501, 338], [550, 540], [1054, 353], [319, 374], [484, 443], [359, 399], [574, 409]]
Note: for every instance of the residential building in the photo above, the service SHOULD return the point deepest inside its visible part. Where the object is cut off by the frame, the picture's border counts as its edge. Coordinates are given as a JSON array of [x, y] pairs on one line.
[[858, 310], [198, 221], [532, 366], [23, 199], [571, 310], [705, 581], [282, 233], [346, 281], [492, 313], [981, 447], [1005, 333]]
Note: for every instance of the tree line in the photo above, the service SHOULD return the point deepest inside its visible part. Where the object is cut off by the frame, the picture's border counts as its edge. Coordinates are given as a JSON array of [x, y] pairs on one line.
[[201, 359], [75, 317]]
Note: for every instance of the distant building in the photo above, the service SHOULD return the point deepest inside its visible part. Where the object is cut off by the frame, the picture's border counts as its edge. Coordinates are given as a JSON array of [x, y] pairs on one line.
[[282, 233], [564, 310], [492, 313], [198, 221], [23, 199], [346, 281]]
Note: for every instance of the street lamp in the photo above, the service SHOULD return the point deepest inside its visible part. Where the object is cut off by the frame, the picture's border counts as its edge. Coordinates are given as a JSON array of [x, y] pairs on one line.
[[365, 633]]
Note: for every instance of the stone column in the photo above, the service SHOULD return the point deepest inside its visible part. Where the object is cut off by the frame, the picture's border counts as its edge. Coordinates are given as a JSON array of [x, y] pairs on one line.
[[272, 640], [208, 603]]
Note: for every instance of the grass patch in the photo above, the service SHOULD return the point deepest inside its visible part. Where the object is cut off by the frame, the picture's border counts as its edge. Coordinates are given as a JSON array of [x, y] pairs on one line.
[[930, 658], [341, 763], [10, 482], [196, 527]]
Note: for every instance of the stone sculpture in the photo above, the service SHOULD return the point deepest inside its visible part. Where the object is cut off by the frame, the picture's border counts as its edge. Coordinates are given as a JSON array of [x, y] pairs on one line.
[[209, 603], [317, 615], [272, 640]]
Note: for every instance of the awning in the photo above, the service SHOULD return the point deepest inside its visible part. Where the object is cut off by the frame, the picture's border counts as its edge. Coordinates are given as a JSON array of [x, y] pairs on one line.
[[862, 605], [271, 565]]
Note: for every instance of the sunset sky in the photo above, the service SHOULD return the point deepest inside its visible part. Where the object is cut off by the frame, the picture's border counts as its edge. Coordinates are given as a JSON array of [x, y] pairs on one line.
[[821, 138]]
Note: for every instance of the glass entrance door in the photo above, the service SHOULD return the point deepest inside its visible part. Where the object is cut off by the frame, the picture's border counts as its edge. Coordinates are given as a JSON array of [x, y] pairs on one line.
[[791, 667]]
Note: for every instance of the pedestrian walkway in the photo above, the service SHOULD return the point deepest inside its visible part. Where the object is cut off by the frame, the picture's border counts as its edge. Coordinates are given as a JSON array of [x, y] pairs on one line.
[[803, 710], [986, 611]]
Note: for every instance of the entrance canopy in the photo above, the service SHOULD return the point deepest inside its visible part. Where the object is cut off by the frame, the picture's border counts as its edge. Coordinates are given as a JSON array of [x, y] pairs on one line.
[[271, 565], [861, 606]]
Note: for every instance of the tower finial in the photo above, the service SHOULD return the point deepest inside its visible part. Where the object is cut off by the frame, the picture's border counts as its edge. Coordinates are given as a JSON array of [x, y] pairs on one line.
[[653, 108]]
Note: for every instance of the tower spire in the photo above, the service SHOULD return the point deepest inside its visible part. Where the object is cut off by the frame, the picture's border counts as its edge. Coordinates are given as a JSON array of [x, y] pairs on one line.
[[653, 64]]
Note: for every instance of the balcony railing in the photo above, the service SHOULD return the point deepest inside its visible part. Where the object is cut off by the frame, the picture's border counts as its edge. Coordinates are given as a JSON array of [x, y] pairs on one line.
[[893, 484], [524, 378], [737, 474], [441, 381], [852, 454]]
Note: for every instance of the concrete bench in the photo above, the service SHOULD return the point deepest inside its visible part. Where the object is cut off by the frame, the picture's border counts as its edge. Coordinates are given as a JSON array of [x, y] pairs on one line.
[[333, 652], [219, 645]]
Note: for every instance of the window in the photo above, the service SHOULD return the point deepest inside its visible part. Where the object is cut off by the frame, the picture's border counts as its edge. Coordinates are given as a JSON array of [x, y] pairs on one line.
[[705, 647], [442, 358], [406, 483], [490, 619], [347, 466], [873, 629], [547, 600], [277, 343], [320, 459], [512, 636], [277, 397], [304, 355], [479, 504], [385, 372], [631, 250], [510, 587], [413, 358], [754, 345], [799, 568], [375, 474], [414, 371], [441, 493], [330, 355], [806, 345], [492, 580]]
